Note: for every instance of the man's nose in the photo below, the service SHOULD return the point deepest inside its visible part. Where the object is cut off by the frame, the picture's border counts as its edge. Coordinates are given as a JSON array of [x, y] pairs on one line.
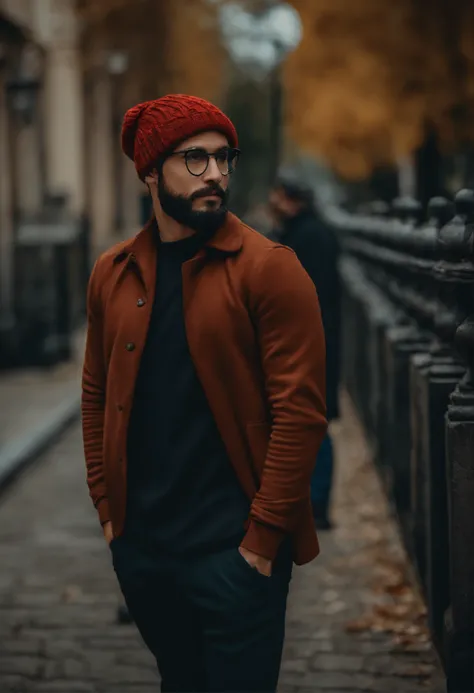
[[212, 174]]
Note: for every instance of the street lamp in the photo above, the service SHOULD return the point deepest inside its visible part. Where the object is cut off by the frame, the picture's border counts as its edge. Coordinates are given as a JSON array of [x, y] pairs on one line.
[[258, 43], [117, 62]]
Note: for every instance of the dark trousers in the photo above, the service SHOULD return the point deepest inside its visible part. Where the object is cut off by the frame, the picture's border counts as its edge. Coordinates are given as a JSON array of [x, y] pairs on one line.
[[321, 480], [213, 623]]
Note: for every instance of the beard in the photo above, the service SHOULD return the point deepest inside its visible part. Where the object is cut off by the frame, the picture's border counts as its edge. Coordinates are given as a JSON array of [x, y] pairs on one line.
[[205, 223]]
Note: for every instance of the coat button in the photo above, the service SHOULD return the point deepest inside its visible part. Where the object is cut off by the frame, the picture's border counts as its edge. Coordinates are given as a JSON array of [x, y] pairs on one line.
[[140, 302], [119, 407], [130, 346]]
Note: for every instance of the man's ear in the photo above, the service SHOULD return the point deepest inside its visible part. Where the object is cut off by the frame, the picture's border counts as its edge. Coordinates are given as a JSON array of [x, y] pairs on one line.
[[152, 177]]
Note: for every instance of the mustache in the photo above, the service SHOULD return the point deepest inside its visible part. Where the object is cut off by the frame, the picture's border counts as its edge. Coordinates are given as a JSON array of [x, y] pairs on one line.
[[205, 192]]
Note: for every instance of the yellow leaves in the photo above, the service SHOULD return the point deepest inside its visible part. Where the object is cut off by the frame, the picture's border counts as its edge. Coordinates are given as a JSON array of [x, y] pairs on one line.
[[95, 11], [360, 89], [174, 45], [400, 611], [369, 75], [193, 54]]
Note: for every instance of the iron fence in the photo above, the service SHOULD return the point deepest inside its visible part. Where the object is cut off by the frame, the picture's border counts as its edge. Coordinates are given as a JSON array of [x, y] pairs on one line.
[[51, 269], [408, 359]]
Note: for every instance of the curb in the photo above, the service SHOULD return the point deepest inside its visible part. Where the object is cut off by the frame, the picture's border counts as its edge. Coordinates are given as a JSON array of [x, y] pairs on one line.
[[14, 456]]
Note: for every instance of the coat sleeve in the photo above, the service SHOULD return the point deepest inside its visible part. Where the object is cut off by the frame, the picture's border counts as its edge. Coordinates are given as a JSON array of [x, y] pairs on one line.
[[93, 398], [288, 322]]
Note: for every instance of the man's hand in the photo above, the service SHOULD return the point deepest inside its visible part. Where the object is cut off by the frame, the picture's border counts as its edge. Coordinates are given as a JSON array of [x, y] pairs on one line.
[[108, 532], [262, 565]]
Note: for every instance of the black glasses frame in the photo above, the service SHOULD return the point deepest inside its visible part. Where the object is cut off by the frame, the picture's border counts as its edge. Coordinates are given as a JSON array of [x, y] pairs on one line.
[[185, 153]]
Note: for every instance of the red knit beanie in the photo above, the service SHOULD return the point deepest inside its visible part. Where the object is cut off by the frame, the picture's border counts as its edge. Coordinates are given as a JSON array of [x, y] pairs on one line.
[[154, 128]]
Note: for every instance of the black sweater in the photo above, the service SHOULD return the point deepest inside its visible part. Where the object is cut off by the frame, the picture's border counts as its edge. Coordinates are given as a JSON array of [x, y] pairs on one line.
[[183, 494]]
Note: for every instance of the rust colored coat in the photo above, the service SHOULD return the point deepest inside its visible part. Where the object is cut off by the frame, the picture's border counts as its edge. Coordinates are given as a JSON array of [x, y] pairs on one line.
[[255, 336]]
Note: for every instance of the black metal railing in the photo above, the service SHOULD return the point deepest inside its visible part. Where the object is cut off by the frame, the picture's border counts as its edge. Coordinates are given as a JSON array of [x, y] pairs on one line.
[[408, 360], [52, 259]]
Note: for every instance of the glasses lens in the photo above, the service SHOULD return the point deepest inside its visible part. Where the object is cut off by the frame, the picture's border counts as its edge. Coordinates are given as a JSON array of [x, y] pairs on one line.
[[196, 161], [228, 162]]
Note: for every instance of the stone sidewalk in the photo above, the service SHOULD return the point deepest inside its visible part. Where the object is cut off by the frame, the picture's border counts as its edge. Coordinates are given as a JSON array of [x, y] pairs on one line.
[[354, 621], [35, 405]]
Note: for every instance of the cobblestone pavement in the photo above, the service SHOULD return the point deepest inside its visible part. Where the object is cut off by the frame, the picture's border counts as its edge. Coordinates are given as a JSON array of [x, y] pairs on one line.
[[58, 594]]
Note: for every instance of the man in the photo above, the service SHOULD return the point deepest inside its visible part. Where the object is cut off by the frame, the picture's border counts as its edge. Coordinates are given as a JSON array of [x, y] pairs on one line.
[[299, 226], [203, 410]]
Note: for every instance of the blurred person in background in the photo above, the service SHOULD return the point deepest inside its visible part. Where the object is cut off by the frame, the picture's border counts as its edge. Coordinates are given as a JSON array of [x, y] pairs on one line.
[[298, 225], [203, 410]]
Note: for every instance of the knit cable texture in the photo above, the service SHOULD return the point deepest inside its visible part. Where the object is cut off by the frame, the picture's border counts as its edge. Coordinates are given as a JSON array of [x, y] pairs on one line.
[[153, 128]]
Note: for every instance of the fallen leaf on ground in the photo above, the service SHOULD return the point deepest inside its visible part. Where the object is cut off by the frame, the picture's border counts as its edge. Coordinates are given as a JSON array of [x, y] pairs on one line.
[[358, 626], [416, 643], [417, 671], [71, 593]]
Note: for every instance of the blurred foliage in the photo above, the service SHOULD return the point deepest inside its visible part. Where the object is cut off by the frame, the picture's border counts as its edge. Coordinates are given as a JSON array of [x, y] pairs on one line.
[[167, 53], [366, 84], [370, 78], [195, 58]]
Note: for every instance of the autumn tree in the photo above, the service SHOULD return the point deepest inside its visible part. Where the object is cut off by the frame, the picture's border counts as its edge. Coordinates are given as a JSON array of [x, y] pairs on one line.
[[176, 46], [173, 45], [370, 78]]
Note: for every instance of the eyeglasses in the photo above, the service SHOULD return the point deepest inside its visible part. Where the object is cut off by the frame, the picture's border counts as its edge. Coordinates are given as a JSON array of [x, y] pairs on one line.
[[197, 160]]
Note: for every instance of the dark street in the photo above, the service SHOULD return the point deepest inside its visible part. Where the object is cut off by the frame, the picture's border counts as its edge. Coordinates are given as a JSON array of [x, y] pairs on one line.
[[58, 592]]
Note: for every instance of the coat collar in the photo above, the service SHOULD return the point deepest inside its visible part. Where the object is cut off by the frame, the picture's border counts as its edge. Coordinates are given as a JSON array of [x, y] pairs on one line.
[[228, 240]]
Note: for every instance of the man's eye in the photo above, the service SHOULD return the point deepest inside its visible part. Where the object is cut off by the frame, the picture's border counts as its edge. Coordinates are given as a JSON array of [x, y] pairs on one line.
[[197, 156], [222, 157]]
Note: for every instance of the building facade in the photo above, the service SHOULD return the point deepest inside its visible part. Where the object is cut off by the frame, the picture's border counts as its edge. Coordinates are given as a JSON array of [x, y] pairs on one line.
[[66, 192]]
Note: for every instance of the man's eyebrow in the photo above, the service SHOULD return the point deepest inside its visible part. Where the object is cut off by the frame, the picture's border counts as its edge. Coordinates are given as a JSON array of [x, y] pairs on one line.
[[204, 149]]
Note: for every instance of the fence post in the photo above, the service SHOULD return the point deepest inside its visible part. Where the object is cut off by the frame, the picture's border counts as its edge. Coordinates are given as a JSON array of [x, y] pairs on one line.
[[428, 402], [435, 381], [410, 290], [457, 245]]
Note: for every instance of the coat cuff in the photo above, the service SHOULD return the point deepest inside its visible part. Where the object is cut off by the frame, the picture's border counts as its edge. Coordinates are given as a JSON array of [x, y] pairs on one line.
[[263, 540], [102, 508]]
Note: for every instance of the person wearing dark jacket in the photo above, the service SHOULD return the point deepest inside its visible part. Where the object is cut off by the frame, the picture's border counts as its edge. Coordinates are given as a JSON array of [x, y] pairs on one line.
[[298, 225]]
